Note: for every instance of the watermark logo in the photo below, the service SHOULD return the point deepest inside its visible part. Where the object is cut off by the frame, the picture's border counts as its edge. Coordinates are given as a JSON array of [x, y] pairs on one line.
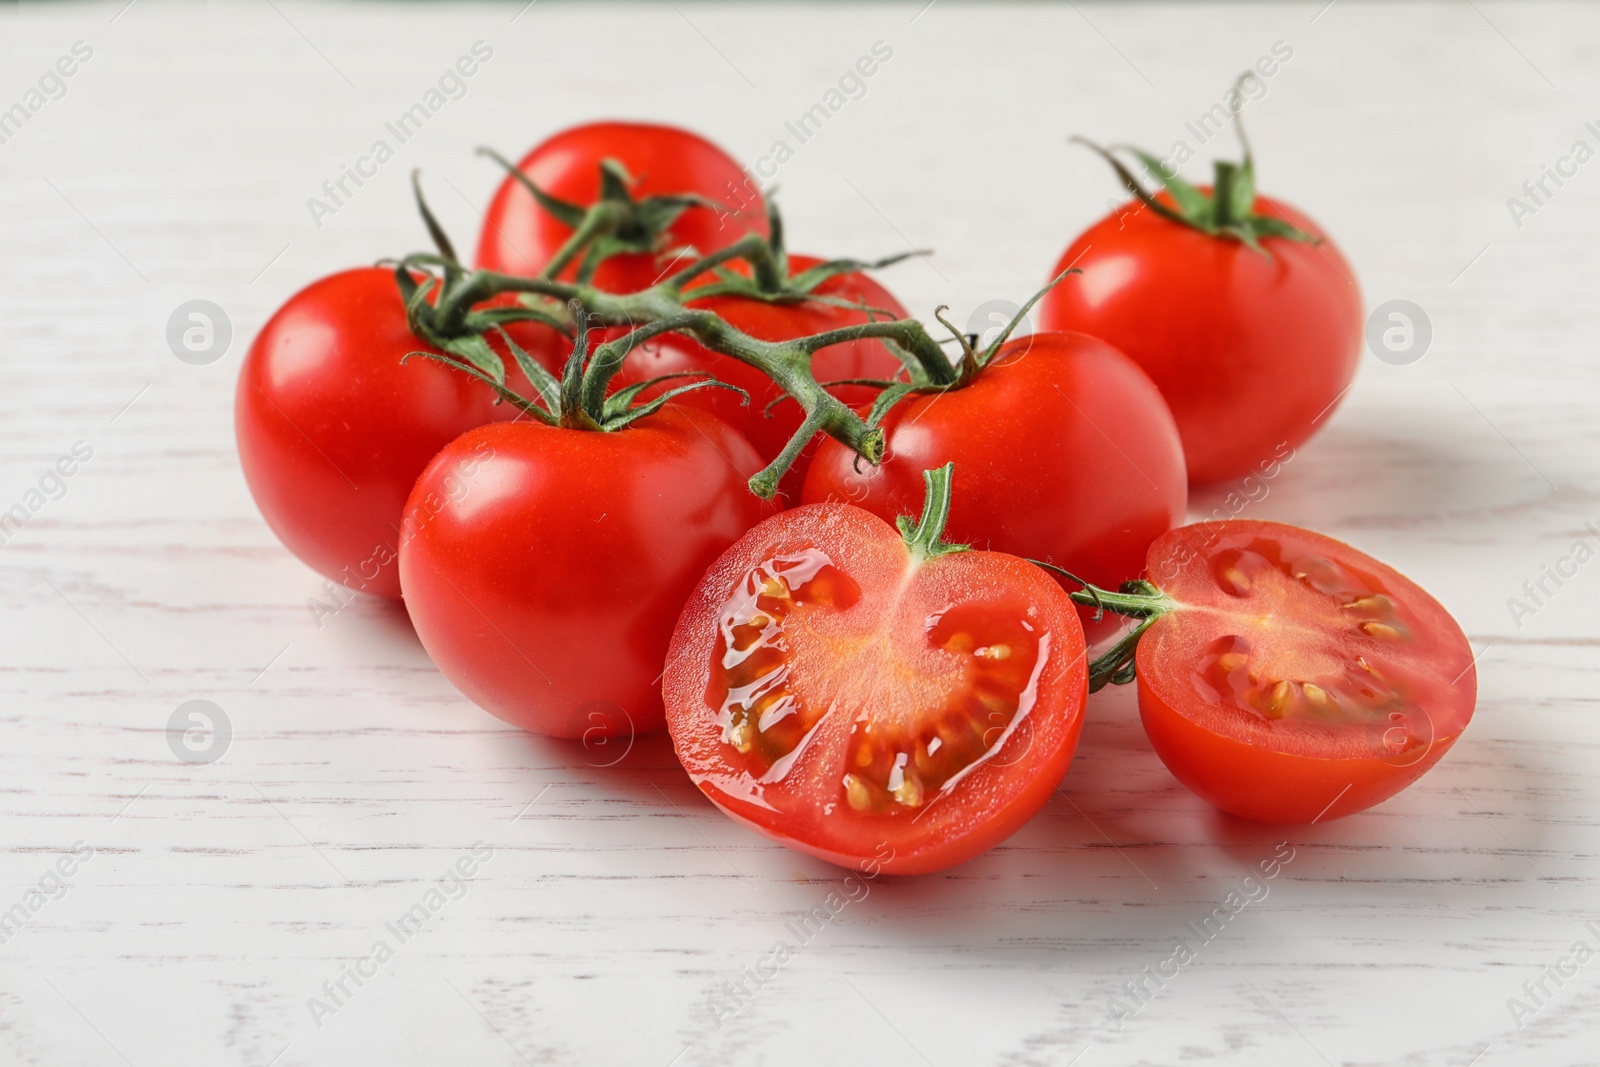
[[50, 87], [608, 732], [453, 489], [1538, 191], [733, 996], [992, 316], [452, 85], [199, 332], [450, 886], [1215, 119], [1405, 738], [1537, 993], [1252, 489], [51, 886], [1552, 578], [1152, 980], [199, 731], [742, 197], [1399, 332], [51, 486]]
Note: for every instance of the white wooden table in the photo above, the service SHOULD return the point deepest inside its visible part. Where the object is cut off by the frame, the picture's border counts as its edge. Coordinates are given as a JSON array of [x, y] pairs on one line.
[[208, 903]]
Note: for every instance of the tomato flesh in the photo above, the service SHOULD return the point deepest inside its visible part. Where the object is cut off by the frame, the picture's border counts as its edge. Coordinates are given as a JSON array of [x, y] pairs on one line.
[[838, 695], [1298, 679]]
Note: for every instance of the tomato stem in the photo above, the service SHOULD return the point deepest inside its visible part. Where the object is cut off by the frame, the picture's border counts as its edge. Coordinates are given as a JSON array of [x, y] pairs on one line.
[[614, 224], [660, 309], [1226, 211], [574, 415], [1137, 599], [617, 223], [925, 537]]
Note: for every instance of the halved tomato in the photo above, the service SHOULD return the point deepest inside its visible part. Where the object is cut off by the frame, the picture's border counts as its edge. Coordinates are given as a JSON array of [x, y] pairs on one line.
[[873, 698], [1294, 678]]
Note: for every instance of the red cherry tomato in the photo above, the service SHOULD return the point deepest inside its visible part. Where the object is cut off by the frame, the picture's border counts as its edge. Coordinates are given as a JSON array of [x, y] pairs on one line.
[[1064, 452], [770, 431], [1297, 679], [838, 693], [1250, 348], [544, 567], [520, 237], [333, 430]]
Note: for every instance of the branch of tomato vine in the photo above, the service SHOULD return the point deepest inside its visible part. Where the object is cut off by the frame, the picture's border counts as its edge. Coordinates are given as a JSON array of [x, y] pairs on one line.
[[1137, 599], [457, 324]]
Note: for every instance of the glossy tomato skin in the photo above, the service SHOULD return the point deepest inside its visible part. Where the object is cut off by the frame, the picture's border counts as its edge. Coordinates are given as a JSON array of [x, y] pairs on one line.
[[519, 237], [882, 658], [333, 430], [1251, 349], [544, 567], [770, 430], [1064, 452], [1393, 677]]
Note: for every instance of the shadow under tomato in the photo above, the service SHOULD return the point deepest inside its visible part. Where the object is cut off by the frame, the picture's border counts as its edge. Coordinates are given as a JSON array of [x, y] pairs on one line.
[[1380, 466], [635, 768], [389, 618]]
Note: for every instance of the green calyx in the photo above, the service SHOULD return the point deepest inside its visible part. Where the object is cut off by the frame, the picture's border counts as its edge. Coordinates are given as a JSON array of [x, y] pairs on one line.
[[439, 312], [924, 537], [1137, 599], [1226, 211], [615, 224], [940, 376], [579, 399], [445, 301], [769, 281]]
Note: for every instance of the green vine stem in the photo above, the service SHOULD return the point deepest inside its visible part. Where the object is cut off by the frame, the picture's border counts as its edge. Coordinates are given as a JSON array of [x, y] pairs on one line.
[[1138, 599], [446, 309], [569, 401]]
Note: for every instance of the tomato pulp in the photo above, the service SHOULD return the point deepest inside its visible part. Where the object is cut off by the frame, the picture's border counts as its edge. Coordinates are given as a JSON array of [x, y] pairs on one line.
[[520, 237], [544, 567], [1296, 679], [1251, 347], [837, 691], [333, 430]]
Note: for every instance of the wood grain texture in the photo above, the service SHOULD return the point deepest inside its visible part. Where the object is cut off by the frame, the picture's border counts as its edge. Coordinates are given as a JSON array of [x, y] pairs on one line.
[[615, 902]]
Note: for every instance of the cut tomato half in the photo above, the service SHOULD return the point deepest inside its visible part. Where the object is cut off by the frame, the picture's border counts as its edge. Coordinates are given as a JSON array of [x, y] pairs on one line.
[[1288, 677], [856, 695]]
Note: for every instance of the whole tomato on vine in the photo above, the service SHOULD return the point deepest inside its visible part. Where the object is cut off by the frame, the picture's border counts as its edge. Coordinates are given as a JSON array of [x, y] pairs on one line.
[[544, 560], [334, 425], [618, 204], [1244, 314], [1063, 448]]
